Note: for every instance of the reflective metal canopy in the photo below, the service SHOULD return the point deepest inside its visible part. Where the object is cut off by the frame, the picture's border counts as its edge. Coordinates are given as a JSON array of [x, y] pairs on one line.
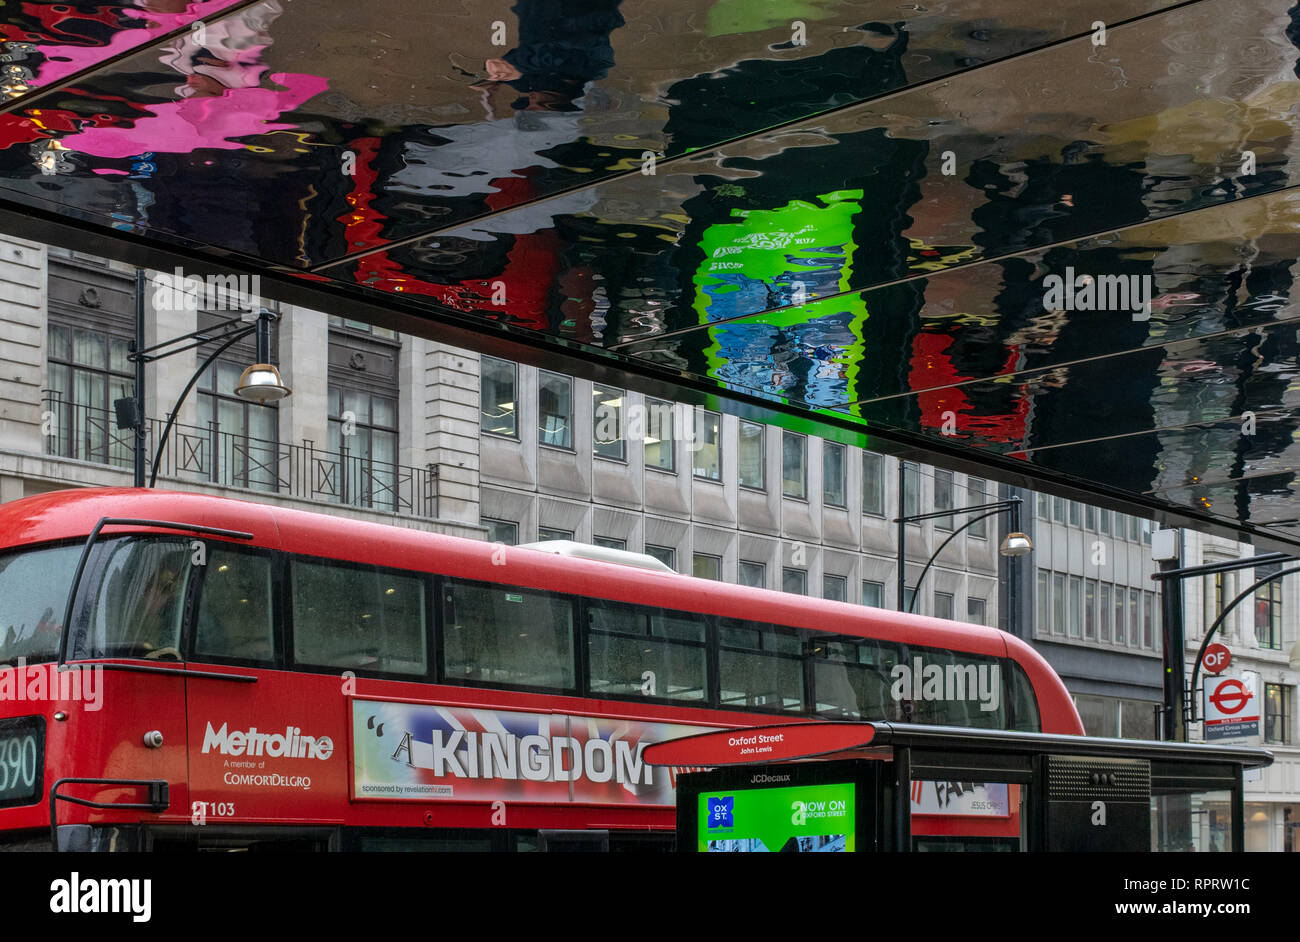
[[1053, 242]]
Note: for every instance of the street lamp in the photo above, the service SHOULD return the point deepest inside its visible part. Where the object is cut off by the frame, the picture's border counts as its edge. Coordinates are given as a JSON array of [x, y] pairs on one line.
[[259, 383], [1013, 544]]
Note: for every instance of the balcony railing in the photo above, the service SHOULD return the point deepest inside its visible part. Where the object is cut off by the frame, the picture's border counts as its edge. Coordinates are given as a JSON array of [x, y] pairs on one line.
[[212, 455]]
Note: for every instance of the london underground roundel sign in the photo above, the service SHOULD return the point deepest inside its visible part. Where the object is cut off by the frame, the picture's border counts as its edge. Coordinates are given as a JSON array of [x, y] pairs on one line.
[[1231, 696], [1216, 659]]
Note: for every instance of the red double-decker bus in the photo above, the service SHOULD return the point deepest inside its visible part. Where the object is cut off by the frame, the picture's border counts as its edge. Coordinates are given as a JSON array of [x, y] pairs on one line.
[[185, 671]]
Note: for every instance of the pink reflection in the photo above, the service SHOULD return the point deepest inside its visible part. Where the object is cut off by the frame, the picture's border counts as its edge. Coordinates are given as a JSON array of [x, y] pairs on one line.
[[222, 98], [163, 16]]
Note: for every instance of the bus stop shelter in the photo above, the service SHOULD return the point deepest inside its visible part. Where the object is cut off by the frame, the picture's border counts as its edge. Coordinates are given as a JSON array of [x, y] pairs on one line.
[[902, 787]]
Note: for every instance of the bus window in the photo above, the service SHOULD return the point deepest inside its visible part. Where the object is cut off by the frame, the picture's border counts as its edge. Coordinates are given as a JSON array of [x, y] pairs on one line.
[[760, 666], [358, 617], [1024, 705], [634, 651], [502, 635], [136, 607], [851, 679], [33, 593], [235, 615], [953, 688]]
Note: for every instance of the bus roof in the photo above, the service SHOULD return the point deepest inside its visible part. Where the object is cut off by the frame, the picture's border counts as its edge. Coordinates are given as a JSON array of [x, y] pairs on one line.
[[69, 514]]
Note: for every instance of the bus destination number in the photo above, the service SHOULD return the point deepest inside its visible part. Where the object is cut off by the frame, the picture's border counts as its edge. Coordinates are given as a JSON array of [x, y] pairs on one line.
[[19, 766]]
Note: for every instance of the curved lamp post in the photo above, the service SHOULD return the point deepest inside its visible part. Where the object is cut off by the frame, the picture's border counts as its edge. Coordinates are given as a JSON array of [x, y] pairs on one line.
[[1014, 544], [259, 383], [1205, 643]]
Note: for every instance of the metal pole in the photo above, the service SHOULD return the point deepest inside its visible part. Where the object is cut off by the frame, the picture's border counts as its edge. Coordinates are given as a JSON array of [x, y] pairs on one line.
[[1013, 575], [1173, 638], [902, 534], [139, 379]]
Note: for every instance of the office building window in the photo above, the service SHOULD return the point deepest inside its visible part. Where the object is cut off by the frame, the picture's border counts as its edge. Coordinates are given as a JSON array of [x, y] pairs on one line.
[[795, 581], [1090, 517], [609, 542], [1059, 607], [1074, 513], [835, 588], [752, 574], [1044, 600], [607, 422], [873, 484], [554, 410], [1104, 613], [1134, 529], [1103, 521], [1268, 609], [833, 474], [90, 307], [1090, 610], [1277, 714], [552, 533], [1146, 532], [976, 494], [363, 327], [909, 601], [1044, 507], [1135, 617], [943, 605], [1121, 615], [363, 436], [704, 566], [873, 594], [497, 398], [1148, 621], [660, 435], [1076, 607], [942, 497], [794, 465], [749, 460], [502, 531], [665, 554], [976, 611], [1058, 509], [708, 459], [87, 370], [911, 490]]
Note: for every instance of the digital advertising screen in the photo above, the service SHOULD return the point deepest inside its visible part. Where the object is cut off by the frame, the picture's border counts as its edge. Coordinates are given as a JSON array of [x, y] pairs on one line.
[[798, 819]]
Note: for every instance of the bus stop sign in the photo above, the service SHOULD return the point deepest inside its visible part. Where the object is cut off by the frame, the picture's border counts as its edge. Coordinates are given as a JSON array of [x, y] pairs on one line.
[[1231, 708], [1217, 658]]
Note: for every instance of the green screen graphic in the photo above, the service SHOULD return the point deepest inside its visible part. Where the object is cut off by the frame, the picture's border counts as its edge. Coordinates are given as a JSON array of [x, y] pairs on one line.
[[810, 818]]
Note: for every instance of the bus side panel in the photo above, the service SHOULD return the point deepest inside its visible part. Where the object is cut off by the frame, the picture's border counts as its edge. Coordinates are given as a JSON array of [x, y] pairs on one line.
[[275, 750], [104, 736]]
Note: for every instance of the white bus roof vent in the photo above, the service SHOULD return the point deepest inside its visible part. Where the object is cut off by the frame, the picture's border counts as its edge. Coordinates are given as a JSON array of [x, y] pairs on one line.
[[600, 554]]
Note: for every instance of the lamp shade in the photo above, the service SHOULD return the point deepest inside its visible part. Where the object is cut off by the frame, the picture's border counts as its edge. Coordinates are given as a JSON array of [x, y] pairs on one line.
[[1016, 544], [261, 383]]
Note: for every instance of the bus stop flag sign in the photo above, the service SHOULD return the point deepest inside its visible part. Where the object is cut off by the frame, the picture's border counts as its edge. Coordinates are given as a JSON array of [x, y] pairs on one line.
[[1231, 708]]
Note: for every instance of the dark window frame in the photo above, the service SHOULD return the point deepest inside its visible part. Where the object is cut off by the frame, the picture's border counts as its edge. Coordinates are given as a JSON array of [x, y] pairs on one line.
[[289, 628], [279, 659]]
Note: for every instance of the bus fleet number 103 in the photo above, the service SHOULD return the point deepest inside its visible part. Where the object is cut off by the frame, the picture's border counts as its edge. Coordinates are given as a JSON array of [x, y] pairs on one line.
[[202, 810]]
